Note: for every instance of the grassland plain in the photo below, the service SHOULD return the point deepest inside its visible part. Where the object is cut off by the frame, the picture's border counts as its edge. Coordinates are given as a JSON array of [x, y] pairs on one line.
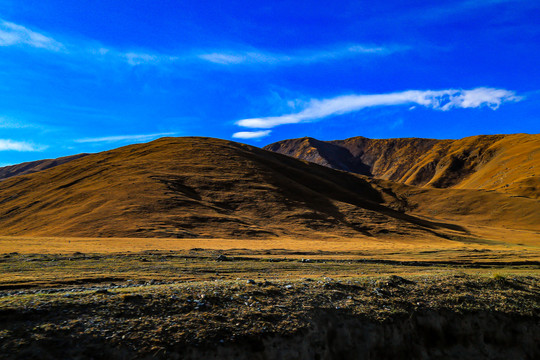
[[257, 302]]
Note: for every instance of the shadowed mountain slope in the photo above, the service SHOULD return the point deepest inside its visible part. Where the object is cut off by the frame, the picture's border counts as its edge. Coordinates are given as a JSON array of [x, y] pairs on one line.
[[200, 187], [505, 163], [35, 166]]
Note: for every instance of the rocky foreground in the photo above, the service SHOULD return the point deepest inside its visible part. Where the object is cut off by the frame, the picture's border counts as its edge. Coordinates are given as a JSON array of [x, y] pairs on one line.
[[421, 317]]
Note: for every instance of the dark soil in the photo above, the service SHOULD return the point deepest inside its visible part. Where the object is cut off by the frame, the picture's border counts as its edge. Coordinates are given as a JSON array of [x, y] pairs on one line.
[[435, 317]]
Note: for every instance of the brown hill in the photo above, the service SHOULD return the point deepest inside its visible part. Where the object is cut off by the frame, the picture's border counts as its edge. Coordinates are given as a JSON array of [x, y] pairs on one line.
[[505, 163], [200, 187], [35, 166]]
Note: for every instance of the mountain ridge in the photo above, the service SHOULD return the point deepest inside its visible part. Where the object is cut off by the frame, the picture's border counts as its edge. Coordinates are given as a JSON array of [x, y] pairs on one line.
[[505, 163], [198, 187], [194, 187], [35, 166]]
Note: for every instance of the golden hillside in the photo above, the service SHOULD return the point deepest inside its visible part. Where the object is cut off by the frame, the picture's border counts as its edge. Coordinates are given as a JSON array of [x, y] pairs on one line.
[[504, 163], [198, 187], [209, 188]]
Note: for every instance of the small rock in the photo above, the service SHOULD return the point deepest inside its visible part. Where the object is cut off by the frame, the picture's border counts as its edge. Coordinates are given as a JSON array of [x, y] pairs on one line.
[[251, 282], [398, 280], [222, 258], [379, 292]]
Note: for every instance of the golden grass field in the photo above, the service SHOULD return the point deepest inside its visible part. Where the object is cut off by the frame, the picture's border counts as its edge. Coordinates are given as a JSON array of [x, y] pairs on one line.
[[195, 298], [54, 261], [400, 248]]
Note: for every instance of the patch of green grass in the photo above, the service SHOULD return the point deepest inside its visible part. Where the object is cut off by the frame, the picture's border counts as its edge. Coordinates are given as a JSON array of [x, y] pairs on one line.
[[498, 277]]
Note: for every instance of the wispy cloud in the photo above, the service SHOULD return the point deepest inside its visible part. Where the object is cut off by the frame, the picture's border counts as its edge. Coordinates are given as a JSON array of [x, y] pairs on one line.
[[12, 34], [301, 56], [12, 145], [146, 58], [251, 134], [118, 138], [6, 123], [439, 100], [133, 58]]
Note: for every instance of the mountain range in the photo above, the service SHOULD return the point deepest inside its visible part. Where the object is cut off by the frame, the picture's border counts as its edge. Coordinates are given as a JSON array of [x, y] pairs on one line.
[[193, 187], [34, 166], [504, 163]]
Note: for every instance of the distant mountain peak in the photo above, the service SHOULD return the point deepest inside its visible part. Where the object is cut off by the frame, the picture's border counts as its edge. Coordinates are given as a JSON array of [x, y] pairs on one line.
[[506, 163]]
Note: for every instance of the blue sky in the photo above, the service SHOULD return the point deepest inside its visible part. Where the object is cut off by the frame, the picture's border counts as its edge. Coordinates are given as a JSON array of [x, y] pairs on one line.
[[94, 75]]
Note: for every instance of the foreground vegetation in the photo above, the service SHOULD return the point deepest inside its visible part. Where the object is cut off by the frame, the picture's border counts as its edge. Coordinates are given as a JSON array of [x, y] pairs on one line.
[[188, 304]]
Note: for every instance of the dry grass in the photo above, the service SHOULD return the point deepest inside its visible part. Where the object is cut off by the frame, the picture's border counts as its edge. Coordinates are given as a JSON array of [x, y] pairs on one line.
[[163, 297], [164, 321], [42, 262], [521, 245], [210, 188]]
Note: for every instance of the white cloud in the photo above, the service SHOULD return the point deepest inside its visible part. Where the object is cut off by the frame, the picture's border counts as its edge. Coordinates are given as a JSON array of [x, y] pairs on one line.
[[479, 97], [6, 123], [223, 58], [251, 134], [137, 59], [117, 138], [11, 145], [440, 100], [261, 57], [13, 34], [144, 58]]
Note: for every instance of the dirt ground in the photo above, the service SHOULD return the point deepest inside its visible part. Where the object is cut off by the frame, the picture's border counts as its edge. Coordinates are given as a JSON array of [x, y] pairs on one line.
[[178, 299]]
